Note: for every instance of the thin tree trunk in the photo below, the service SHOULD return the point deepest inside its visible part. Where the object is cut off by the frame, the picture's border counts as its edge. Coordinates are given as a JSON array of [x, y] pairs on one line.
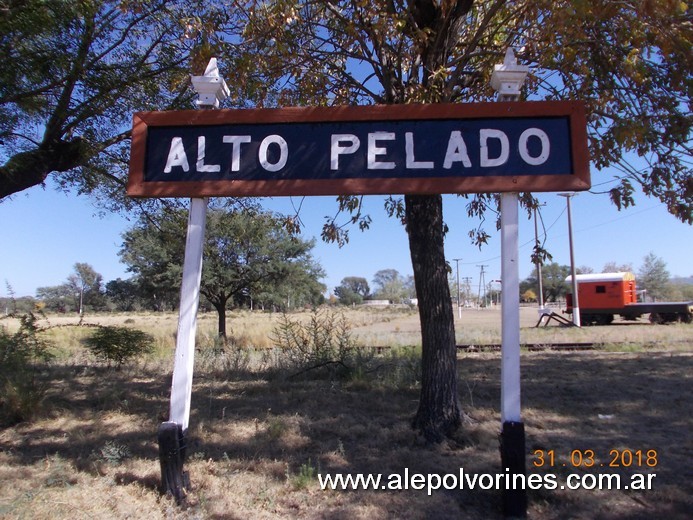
[[440, 412], [220, 306]]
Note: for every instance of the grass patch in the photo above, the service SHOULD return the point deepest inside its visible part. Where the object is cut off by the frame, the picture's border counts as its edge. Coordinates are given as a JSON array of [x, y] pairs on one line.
[[258, 442]]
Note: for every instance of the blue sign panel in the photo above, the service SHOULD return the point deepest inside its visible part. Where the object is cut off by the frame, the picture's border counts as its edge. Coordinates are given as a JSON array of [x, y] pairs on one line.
[[330, 151]]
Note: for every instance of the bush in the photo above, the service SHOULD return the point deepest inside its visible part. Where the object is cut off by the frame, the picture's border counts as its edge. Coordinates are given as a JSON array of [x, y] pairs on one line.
[[323, 346], [21, 391], [119, 344]]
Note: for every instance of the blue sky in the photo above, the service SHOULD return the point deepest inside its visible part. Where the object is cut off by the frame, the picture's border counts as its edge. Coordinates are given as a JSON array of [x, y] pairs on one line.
[[45, 232]]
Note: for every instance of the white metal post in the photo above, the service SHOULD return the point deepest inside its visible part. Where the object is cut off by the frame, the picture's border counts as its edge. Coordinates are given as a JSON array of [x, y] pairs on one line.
[[181, 387], [507, 80], [211, 89], [573, 273], [510, 310], [576, 296]]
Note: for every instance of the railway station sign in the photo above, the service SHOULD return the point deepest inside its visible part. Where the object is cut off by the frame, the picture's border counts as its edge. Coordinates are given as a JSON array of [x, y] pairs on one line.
[[393, 149]]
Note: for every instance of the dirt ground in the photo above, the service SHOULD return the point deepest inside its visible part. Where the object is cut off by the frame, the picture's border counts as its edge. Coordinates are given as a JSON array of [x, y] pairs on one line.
[[257, 444]]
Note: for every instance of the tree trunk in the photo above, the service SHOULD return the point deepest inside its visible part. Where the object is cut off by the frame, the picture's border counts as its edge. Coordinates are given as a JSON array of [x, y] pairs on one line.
[[440, 412], [220, 306]]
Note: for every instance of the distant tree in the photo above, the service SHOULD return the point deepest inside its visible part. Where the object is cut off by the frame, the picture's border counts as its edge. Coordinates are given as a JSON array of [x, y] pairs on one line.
[[57, 298], [653, 276], [554, 283], [247, 255], [614, 267], [83, 288], [292, 278], [352, 290], [86, 284], [390, 286], [347, 296], [584, 269], [12, 304], [681, 292], [357, 284], [123, 294], [680, 289]]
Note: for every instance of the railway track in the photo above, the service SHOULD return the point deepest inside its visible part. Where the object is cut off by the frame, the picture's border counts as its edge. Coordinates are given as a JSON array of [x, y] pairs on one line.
[[492, 347], [529, 346]]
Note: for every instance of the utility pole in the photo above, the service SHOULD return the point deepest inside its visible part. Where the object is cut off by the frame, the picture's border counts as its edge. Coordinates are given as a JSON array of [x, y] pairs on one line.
[[482, 283], [573, 277], [467, 284], [459, 303], [500, 284]]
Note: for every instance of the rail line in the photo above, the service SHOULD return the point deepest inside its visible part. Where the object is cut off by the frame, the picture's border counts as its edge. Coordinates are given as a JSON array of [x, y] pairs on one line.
[[492, 347], [480, 347]]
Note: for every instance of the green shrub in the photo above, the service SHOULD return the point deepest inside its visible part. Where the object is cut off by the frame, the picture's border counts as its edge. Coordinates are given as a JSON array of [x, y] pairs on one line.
[[323, 346], [307, 474], [112, 453], [119, 344], [21, 353]]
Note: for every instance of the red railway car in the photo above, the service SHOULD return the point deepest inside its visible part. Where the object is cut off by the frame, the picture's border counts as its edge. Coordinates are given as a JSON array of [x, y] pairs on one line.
[[602, 296]]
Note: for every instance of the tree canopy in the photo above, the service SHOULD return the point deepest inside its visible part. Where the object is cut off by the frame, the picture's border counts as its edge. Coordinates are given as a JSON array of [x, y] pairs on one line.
[[653, 277], [74, 72], [83, 288], [248, 257], [629, 61], [352, 290]]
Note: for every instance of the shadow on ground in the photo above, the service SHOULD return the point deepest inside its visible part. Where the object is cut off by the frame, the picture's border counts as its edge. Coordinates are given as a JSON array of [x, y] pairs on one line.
[[273, 432]]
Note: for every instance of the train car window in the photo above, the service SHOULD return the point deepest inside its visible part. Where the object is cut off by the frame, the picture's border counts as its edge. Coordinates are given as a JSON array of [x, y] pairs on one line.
[[601, 289]]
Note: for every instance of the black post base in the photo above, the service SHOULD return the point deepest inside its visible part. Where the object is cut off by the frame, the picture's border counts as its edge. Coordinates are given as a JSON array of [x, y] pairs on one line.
[[512, 448], [172, 444]]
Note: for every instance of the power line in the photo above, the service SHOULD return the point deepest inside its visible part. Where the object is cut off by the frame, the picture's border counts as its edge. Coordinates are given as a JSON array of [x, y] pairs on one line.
[[543, 235]]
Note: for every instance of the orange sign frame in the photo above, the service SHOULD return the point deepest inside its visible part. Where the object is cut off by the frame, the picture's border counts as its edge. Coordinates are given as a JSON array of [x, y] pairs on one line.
[[187, 120]]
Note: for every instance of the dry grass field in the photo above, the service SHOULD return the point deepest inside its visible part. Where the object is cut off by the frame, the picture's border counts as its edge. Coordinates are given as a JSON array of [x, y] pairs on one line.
[[259, 437]]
